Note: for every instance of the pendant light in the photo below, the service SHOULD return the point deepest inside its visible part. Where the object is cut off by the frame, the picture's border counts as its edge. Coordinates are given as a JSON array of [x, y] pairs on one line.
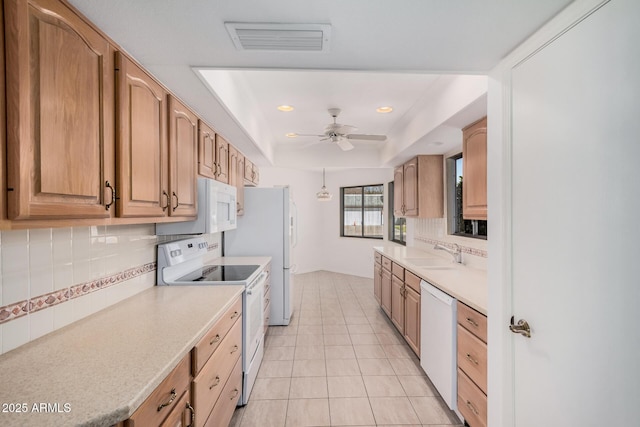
[[323, 195]]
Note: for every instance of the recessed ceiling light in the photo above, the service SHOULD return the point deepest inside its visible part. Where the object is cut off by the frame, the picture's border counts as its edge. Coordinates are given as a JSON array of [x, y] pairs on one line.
[[384, 109], [285, 108], [291, 135]]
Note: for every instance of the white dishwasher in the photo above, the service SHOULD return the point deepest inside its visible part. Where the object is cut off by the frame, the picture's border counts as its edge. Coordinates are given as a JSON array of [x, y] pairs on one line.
[[438, 340]]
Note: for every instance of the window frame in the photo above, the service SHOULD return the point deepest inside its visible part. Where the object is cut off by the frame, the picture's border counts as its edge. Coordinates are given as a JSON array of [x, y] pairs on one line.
[[392, 219], [362, 210]]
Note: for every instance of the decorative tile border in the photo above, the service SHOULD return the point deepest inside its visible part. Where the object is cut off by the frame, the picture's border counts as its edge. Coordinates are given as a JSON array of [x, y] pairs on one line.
[[465, 249], [35, 304]]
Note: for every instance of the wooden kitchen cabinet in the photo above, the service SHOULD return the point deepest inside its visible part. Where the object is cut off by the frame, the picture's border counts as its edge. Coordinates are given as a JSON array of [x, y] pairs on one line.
[[421, 191], [59, 112], [165, 399], [3, 128], [397, 297], [472, 365], [222, 159], [183, 157], [385, 290], [251, 173], [412, 311], [207, 165], [183, 414], [142, 147], [233, 166], [474, 164], [216, 360], [240, 184], [377, 281]]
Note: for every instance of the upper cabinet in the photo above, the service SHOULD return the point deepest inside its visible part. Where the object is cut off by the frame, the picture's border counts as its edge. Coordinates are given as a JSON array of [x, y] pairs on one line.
[[474, 184], [142, 149], [251, 173], [240, 183], [183, 157], [206, 151], [60, 113], [418, 188], [222, 159]]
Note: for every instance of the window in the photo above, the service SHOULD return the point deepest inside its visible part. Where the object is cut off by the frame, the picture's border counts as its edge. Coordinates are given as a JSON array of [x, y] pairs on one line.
[[397, 226], [458, 225], [361, 211]]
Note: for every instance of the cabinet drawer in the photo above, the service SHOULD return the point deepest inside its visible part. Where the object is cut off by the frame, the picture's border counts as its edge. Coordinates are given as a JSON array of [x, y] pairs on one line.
[[208, 385], [472, 357], [378, 257], [472, 403], [183, 414], [164, 398], [412, 281], [473, 321], [397, 270], [208, 344], [223, 410], [386, 263]]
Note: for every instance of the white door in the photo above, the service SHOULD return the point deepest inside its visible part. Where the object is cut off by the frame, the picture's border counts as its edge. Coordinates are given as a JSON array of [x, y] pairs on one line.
[[576, 224]]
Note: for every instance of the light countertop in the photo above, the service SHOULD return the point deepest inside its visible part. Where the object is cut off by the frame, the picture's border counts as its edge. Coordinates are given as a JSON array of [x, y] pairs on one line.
[[107, 364], [468, 285]]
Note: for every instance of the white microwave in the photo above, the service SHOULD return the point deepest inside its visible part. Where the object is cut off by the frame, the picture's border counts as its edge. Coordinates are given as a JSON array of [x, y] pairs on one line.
[[217, 211]]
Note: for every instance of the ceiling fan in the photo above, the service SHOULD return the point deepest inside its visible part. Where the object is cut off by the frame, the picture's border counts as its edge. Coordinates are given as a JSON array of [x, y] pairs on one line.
[[341, 134]]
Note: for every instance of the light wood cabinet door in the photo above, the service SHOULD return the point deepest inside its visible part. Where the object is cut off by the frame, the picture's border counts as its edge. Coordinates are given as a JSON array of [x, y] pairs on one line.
[[60, 104], [397, 303], [240, 184], [385, 293], [183, 414], [233, 166], [412, 319], [206, 151], [398, 191], [183, 157], [256, 175], [222, 159], [410, 188], [377, 281], [142, 150], [474, 164], [3, 160], [248, 171]]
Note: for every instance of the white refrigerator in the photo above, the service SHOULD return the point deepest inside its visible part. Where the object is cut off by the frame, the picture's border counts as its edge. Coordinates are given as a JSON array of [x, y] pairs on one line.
[[268, 228]]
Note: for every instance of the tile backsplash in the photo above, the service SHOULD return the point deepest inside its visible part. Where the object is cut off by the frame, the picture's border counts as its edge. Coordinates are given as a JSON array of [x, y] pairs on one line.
[[52, 277]]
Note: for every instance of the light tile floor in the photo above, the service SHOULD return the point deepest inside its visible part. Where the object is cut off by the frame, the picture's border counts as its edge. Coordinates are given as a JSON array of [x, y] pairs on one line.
[[340, 363]]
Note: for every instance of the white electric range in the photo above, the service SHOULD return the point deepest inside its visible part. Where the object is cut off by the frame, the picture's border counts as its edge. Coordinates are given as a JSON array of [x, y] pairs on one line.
[[182, 263]]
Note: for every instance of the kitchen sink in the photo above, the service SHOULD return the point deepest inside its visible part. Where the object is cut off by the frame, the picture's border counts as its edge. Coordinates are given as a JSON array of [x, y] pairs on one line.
[[429, 262], [437, 267]]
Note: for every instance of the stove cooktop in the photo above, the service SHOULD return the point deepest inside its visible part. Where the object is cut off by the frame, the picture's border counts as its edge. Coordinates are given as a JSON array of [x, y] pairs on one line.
[[221, 273]]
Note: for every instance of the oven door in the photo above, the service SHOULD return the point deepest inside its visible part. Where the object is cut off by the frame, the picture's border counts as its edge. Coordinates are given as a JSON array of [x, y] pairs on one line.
[[254, 316]]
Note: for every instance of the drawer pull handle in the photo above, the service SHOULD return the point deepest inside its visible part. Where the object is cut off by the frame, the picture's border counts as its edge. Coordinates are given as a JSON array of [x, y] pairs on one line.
[[473, 409], [234, 394], [235, 314], [472, 322], [193, 414], [171, 399], [235, 348], [215, 339], [471, 359], [216, 382]]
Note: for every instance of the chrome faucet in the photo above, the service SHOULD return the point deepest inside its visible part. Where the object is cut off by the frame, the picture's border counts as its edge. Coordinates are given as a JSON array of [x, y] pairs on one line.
[[456, 253]]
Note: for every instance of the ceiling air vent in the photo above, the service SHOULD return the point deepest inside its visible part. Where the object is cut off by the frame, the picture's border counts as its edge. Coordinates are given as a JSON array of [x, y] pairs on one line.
[[284, 37]]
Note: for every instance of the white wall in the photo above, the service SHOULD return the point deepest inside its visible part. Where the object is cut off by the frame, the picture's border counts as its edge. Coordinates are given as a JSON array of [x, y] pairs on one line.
[[320, 246]]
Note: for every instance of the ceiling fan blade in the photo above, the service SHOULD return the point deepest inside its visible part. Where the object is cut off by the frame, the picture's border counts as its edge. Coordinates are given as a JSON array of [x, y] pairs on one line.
[[364, 137], [344, 144], [308, 134]]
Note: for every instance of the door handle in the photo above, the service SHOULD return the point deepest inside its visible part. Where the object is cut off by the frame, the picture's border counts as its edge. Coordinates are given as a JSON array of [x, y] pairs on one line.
[[522, 327]]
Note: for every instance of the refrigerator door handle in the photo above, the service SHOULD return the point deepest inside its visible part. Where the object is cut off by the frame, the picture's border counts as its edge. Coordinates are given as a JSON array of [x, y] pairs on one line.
[[294, 218]]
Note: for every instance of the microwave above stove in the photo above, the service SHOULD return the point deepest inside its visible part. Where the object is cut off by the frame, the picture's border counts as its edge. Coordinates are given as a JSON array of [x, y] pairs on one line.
[[217, 211]]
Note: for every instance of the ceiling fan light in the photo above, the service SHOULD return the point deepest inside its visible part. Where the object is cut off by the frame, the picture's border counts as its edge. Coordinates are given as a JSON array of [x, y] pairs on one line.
[[285, 108], [291, 135], [384, 110], [323, 195]]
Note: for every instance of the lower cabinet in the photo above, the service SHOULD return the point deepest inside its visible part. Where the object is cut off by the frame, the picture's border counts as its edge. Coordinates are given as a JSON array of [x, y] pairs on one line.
[[218, 373], [472, 365], [398, 292], [169, 401]]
